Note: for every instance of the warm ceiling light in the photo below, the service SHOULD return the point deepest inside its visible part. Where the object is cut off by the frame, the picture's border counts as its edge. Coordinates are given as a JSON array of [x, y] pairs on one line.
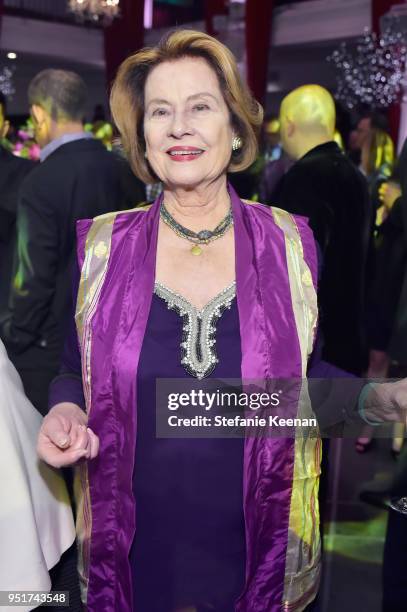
[[12, 55]]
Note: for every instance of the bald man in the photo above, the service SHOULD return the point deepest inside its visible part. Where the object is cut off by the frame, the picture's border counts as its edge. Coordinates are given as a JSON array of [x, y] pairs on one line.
[[326, 187]]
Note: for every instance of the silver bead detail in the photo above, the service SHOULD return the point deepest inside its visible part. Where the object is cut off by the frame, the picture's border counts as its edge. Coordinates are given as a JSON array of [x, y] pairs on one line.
[[198, 355]]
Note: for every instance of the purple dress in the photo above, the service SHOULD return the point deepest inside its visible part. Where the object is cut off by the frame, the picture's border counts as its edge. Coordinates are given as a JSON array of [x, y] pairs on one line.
[[189, 547]]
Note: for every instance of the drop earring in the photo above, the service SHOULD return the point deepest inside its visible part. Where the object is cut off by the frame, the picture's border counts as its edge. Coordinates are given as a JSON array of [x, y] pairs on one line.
[[236, 143]]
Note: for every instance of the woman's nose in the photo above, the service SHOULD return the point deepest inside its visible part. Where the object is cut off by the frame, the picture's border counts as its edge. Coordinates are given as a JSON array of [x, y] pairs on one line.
[[180, 125]]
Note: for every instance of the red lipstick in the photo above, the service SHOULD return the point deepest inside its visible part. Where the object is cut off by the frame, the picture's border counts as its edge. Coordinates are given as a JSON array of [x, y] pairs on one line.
[[184, 153]]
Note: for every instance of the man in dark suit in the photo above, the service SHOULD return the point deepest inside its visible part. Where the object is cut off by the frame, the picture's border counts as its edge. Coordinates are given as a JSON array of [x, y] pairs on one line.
[[77, 178], [324, 186], [12, 172]]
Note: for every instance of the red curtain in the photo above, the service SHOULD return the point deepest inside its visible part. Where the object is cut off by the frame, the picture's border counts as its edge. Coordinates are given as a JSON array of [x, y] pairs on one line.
[[379, 8], [258, 35], [124, 36]]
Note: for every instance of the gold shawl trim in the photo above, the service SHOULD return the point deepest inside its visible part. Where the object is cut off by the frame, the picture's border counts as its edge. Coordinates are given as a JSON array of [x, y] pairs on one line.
[[302, 570], [93, 274]]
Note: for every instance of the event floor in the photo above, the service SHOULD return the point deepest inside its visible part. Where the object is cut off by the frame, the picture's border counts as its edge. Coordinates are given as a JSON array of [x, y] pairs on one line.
[[354, 531]]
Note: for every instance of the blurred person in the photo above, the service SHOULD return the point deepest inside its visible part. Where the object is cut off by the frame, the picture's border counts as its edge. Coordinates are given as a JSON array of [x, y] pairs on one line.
[[352, 149], [390, 261], [276, 168], [36, 521], [324, 186], [13, 170], [389, 192], [262, 177], [377, 164], [367, 122], [361, 135], [276, 162], [378, 155], [390, 255], [272, 178], [389, 271], [394, 557], [77, 178], [272, 140], [394, 199], [390, 266], [274, 171]]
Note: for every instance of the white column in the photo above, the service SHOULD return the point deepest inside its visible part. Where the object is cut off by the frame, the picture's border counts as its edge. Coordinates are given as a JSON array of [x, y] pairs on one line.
[[148, 13]]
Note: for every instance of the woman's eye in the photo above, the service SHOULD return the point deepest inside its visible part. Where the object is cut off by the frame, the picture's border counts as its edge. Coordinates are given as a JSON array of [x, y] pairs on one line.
[[159, 112], [201, 107]]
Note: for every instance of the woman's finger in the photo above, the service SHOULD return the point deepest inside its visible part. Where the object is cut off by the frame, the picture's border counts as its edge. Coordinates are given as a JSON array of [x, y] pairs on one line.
[[82, 439], [71, 457], [58, 458], [56, 431], [94, 444]]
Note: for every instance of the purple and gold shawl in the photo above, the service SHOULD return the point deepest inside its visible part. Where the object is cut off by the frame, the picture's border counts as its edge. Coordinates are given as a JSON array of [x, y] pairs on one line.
[[275, 285]]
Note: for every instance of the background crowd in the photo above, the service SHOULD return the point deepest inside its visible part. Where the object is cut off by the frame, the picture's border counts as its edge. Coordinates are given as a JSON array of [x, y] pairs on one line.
[[351, 186]]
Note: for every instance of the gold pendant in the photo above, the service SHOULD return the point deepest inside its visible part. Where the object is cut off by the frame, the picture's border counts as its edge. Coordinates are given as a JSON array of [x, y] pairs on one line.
[[196, 250]]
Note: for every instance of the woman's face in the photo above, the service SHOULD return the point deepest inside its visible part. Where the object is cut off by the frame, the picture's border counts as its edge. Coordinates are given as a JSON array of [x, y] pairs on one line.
[[186, 124]]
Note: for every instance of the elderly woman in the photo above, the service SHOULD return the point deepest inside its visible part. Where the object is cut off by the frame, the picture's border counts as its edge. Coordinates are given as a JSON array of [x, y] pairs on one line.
[[198, 285]]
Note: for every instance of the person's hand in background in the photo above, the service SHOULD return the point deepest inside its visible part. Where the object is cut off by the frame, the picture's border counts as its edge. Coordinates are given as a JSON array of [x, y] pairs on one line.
[[389, 192], [384, 402]]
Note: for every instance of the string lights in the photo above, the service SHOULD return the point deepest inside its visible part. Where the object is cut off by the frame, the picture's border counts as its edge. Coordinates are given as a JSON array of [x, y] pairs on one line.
[[6, 81]]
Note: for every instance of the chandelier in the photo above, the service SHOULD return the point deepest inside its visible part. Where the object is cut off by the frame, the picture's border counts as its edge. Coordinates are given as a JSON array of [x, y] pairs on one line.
[[373, 73], [95, 10], [6, 81]]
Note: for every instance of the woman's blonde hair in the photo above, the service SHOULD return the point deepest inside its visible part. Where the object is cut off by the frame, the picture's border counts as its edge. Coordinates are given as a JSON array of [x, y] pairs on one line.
[[381, 152], [127, 96]]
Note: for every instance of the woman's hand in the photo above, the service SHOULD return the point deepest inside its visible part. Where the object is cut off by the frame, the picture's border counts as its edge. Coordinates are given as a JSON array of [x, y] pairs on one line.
[[64, 438]]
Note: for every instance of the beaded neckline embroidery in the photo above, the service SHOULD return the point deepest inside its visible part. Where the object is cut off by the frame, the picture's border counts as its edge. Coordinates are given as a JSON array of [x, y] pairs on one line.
[[198, 352]]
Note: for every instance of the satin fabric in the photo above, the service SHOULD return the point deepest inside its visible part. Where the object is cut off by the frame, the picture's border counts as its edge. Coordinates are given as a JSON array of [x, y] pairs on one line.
[[111, 328], [36, 521]]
